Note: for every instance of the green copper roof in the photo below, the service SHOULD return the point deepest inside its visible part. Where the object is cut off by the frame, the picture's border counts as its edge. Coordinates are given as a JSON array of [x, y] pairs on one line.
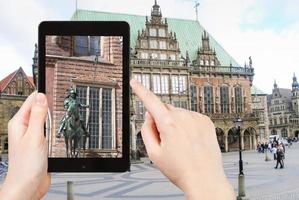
[[256, 91], [188, 32]]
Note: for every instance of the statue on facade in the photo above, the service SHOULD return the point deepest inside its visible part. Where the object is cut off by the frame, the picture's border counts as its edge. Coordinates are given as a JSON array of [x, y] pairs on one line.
[[72, 126]]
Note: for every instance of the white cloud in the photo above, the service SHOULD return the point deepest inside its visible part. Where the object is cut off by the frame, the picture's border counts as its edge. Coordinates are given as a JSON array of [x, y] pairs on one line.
[[231, 22], [19, 24]]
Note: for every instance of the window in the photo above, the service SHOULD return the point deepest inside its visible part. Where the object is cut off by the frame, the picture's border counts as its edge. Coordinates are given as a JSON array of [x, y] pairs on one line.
[[161, 32], [13, 88], [154, 56], [284, 133], [182, 84], [208, 99], [163, 56], [172, 57], [175, 84], [156, 84], [87, 45], [94, 45], [144, 79], [144, 55], [165, 84], [280, 121], [193, 95], [139, 110], [201, 62], [179, 84], [20, 81], [153, 32], [238, 100], [207, 63], [212, 63], [180, 104], [153, 44], [162, 44], [101, 121], [224, 99]]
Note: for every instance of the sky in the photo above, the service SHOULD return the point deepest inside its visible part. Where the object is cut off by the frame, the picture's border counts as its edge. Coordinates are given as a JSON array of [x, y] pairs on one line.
[[266, 30]]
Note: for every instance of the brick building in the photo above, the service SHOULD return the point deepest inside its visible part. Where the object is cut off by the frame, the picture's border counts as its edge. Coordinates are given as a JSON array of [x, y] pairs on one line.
[[185, 66], [14, 89], [92, 65]]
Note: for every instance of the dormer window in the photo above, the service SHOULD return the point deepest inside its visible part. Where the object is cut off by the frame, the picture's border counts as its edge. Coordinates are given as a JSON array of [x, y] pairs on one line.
[[153, 44], [161, 32], [153, 32], [144, 55], [207, 63], [163, 56], [162, 44], [201, 62], [87, 45]]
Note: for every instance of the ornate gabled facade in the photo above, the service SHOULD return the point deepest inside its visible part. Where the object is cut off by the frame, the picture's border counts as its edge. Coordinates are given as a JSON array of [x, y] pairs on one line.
[[185, 66], [157, 64], [14, 89], [283, 110], [206, 56]]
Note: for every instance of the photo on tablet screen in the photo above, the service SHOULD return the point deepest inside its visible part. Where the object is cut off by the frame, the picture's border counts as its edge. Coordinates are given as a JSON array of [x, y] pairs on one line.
[[84, 91]]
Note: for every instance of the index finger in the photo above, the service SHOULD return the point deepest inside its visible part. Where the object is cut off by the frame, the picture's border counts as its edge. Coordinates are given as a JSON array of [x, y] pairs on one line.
[[151, 101]]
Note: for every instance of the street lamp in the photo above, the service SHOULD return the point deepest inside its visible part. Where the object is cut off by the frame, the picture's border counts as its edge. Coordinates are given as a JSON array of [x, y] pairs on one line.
[[241, 193]]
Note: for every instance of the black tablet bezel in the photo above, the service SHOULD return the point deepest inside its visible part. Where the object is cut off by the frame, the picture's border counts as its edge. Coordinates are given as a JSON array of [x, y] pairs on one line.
[[101, 28]]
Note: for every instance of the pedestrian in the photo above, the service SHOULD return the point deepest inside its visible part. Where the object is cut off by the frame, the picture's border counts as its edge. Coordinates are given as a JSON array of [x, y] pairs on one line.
[[280, 157], [274, 151]]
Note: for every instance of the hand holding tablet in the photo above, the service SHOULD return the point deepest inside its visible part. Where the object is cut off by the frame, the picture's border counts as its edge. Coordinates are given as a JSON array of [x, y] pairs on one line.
[[175, 138], [84, 72]]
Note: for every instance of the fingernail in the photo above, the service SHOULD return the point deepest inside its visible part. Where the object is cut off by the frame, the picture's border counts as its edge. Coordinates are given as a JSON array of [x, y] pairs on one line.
[[146, 114], [40, 99]]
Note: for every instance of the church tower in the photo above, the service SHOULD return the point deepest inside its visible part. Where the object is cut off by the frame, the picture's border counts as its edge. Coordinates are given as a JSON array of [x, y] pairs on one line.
[[295, 95]]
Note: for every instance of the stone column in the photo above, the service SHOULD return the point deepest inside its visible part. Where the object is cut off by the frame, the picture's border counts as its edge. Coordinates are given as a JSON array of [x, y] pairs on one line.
[[250, 142], [254, 141], [226, 142]]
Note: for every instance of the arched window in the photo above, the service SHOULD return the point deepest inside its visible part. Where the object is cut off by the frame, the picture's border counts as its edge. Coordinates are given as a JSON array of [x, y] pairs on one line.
[[193, 91], [238, 100], [207, 63], [208, 99], [201, 62], [224, 99], [284, 133]]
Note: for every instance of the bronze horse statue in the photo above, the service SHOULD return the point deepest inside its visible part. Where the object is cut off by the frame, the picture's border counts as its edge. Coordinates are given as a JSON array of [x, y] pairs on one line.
[[72, 127]]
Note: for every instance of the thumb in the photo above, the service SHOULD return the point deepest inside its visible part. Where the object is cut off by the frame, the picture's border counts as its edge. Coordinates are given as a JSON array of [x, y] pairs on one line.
[[38, 115], [150, 136]]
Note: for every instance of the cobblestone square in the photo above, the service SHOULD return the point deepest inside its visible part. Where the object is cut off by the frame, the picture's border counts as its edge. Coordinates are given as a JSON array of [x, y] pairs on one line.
[[263, 182]]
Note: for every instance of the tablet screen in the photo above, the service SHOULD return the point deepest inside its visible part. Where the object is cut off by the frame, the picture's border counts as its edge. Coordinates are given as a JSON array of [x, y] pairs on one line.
[[84, 90]]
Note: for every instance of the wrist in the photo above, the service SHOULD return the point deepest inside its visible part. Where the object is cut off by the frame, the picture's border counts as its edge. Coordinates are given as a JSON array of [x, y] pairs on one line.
[[16, 190], [208, 189], [222, 192]]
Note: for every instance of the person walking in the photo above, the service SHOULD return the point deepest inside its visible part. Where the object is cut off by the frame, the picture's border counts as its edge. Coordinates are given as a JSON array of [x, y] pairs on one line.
[[280, 157], [274, 151]]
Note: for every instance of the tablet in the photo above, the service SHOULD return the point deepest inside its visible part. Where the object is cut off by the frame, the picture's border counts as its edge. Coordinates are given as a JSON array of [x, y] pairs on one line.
[[84, 72]]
